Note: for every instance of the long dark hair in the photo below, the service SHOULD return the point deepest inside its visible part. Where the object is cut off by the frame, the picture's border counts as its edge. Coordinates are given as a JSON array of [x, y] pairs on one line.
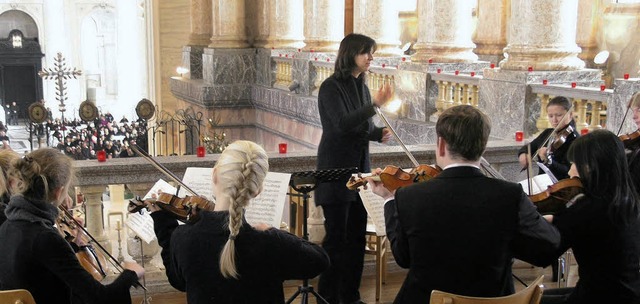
[[600, 160], [351, 46]]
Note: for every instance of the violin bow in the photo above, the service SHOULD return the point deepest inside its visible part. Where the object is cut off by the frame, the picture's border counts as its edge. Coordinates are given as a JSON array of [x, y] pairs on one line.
[[113, 260], [555, 131], [529, 169], [160, 167], [395, 135], [625, 117]]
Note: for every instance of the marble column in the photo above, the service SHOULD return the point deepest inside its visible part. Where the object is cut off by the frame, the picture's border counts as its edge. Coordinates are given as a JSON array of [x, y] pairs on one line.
[[260, 22], [227, 20], [491, 31], [94, 213], [200, 22], [323, 25], [285, 24], [587, 29], [379, 20], [444, 32], [542, 35]]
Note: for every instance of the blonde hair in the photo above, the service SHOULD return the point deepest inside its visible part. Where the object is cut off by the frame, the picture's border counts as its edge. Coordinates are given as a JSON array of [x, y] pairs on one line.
[[635, 100], [240, 171], [7, 157], [41, 171]]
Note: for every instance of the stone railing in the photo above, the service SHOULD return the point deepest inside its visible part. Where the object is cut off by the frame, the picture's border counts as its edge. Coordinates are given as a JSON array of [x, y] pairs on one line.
[[283, 74], [455, 89], [589, 104], [323, 70]]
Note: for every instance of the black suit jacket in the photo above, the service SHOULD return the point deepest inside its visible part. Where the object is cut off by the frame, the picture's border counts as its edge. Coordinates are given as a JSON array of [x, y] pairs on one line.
[[559, 164], [459, 233], [345, 112]]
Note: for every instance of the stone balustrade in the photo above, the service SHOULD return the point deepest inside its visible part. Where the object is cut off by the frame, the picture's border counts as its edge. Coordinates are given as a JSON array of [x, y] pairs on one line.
[[454, 90], [283, 73]]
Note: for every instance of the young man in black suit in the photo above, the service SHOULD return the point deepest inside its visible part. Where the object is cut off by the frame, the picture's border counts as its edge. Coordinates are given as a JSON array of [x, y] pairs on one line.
[[460, 231]]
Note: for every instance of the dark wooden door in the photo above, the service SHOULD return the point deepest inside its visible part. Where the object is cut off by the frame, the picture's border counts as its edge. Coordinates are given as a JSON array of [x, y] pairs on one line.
[[19, 85]]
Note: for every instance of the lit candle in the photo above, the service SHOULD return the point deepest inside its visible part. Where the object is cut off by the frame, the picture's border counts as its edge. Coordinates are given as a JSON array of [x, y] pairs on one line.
[[282, 148], [544, 81], [430, 60], [574, 85], [200, 151], [102, 156], [473, 74], [457, 72], [439, 70], [530, 69], [584, 131], [603, 87], [493, 65], [626, 76], [519, 136]]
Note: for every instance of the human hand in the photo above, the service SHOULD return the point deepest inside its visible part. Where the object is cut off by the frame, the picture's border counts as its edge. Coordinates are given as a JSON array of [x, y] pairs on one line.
[[542, 153], [261, 226], [377, 186], [383, 95], [386, 135], [523, 160], [133, 266]]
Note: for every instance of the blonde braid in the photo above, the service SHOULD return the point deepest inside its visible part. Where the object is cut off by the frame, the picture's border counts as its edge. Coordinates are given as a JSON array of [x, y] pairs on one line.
[[242, 168]]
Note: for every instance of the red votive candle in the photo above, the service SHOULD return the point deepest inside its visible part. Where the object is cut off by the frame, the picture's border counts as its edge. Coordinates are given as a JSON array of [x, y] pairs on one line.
[[584, 131], [603, 87], [201, 151], [282, 148], [473, 74], [519, 136], [530, 69], [430, 60], [439, 70], [102, 156], [493, 65], [457, 72], [626, 76], [544, 82], [573, 85]]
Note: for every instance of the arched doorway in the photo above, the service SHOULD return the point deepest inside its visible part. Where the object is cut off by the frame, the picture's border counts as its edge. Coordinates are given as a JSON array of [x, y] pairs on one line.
[[20, 61]]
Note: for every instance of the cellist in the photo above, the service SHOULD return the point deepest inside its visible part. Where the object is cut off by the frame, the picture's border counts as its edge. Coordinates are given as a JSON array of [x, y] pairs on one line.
[[552, 144]]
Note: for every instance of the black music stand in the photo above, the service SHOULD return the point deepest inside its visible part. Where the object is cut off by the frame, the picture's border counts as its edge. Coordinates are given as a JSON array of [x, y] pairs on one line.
[[305, 182]]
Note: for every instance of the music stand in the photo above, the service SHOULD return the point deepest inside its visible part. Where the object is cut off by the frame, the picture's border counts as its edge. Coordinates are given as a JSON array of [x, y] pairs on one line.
[[305, 182]]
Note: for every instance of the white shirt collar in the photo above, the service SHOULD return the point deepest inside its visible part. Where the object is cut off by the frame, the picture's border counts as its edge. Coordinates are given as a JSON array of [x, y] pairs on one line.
[[460, 165]]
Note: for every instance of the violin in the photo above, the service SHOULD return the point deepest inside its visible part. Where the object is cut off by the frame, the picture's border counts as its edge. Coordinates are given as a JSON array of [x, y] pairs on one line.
[[556, 197], [90, 259], [393, 177], [631, 140], [562, 135], [184, 209]]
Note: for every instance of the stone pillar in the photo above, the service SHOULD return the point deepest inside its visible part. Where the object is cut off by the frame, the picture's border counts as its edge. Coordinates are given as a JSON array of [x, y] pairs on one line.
[[261, 22], [227, 20], [94, 212], [444, 32], [323, 24], [542, 35], [285, 24], [587, 29], [491, 31], [379, 20], [200, 22]]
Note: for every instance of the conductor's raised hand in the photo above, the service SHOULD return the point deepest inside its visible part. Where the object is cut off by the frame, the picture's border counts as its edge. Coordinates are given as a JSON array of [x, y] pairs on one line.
[[384, 94]]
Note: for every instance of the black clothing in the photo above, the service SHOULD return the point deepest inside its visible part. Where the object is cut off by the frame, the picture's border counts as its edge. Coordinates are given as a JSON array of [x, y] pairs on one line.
[[264, 259], [634, 167], [35, 257], [559, 165], [608, 255], [459, 233], [347, 127]]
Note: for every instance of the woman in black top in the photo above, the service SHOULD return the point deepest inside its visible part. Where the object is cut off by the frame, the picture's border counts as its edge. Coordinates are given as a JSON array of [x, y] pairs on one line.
[[602, 226], [560, 116], [34, 255], [220, 258]]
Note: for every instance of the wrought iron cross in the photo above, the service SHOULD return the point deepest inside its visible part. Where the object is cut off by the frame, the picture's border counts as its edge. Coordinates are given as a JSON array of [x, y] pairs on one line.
[[60, 72]]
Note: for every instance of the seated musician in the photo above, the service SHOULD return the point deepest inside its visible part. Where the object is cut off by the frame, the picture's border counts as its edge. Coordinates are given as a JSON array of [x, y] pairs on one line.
[[460, 231], [6, 186], [632, 143], [551, 152], [602, 226], [220, 258], [34, 255]]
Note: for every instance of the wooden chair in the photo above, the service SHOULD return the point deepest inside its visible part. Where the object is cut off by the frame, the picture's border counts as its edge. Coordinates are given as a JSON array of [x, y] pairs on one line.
[[529, 295], [377, 246], [16, 296]]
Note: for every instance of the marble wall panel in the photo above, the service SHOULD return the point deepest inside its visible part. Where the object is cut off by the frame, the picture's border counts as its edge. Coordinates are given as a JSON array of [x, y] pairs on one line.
[[192, 60], [411, 90], [264, 68], [584, 77], [477, 67], [301, 73], [505, 104], [229, 66]]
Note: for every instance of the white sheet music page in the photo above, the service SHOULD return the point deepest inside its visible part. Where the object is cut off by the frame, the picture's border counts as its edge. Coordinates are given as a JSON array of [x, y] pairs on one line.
[[374, 205], [268, 206], [141, 222], [200, 180]]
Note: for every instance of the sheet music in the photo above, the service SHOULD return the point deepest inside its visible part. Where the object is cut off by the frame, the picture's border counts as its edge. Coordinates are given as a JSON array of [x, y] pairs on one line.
[[141, 222], [539, 183], [268, 206], [199, 180], [547, 171], [374, 205]]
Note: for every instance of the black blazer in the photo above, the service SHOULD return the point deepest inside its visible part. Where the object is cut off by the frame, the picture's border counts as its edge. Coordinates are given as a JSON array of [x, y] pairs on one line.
[[459, 233], [559, 164], [347, 127]]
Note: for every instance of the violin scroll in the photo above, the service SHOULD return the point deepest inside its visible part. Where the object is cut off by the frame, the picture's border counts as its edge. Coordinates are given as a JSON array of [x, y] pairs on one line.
[[183, 209]]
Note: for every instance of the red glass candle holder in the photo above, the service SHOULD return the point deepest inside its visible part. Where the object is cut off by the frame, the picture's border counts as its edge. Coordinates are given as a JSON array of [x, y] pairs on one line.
[[530, 69], [282, 148], [493, 65], [101, 156], [439, 71], [574, 85], [584, 131], [473, 74], [626, 76], [544, 81], [603, 87], [201, 151], [456, 72], [430, 60], [519, 136]]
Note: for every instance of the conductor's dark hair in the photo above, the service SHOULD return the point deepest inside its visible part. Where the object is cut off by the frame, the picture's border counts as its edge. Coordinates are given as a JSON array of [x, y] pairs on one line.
[[351, 46]]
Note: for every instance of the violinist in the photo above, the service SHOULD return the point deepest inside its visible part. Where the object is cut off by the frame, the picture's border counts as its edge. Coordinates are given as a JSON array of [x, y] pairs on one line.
[[552, 143], [346, 110], [6, 158], [220, 258], [602, 226], [34, 255], [460, 231], [632, 142]]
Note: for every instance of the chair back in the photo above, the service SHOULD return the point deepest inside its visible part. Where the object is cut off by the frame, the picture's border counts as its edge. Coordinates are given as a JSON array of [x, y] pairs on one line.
[[16, 296], [529, 295]]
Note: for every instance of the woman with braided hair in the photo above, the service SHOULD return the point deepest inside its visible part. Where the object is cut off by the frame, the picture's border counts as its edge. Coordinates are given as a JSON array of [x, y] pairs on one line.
[[220, 258]]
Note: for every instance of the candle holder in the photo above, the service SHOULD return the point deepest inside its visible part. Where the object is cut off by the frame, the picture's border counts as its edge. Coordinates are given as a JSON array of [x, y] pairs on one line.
[[282, 148], [200, 151], [626, 76], [519, 136], [101, 156], [544, 81], [574, 85]]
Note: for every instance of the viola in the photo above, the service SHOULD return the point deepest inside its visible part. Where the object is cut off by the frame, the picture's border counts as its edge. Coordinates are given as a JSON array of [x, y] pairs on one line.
[[393, 177], [631, 140], [184, 209], [556, 197]]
